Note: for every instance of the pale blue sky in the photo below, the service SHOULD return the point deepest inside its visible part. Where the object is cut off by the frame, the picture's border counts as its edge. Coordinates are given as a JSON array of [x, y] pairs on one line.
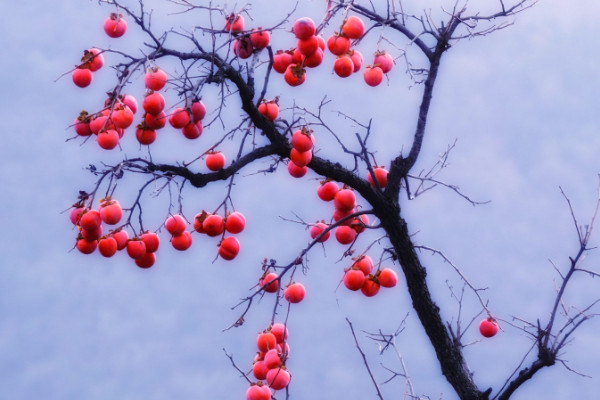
[[522, 104]]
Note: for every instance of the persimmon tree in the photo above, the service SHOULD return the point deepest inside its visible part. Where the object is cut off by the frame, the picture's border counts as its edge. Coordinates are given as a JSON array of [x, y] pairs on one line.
[[228, 52]]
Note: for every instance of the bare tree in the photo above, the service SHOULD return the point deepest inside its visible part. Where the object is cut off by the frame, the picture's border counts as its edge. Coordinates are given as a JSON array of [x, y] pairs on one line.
[[222, 57]]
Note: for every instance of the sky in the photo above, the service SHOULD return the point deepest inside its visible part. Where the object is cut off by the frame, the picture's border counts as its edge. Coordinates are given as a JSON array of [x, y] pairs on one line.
[[521, 105]]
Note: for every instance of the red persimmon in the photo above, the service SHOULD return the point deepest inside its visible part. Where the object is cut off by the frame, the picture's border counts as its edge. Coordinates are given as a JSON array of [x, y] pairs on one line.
[[296, 171], [260, 38], [234, 23], [182, 241], [294, 75], [384, 61], [110, 211], [259, 369], [108, 139], [155, 78], [488, 327], [136, 248], [338, 215], [175, 224], [122, 116], [283, 348], [151, 240], [354, 279], [145, 135], [198, 220], [115, 26], [387, 278], [344, 234], [273, 359], [304, 28], [266, 341], [258, 392], [294, 293], [303, 140], [328, 190], [192, 131], [107, 246], [235, 222], [122, 237], [198, 111], [297, 57], [155, 121], [344, 200], [82, 124], [307, 46], [314, 60], [343, 66], [317, 229], [381, 176], [92, 59], [269, 282], [90, 235], [215, 160], [82, 77], [131, 102], [90, 220], [86, 247], [281, 60], [357, 59], [365, 264], [353, 27], [269, 109], [370, 287], [76, 214], [153, 103], [338, 45], [300, 158], [100, 122], [229, 248], [213, 225], [242, 47], [321, 42], [179, 118], [278, 378], [373, 76], [280, 331], [360, 224], [146, 261]]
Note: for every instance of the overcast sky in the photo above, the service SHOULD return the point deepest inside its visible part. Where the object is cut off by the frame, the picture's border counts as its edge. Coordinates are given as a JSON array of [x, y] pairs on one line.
[[522, 105]]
